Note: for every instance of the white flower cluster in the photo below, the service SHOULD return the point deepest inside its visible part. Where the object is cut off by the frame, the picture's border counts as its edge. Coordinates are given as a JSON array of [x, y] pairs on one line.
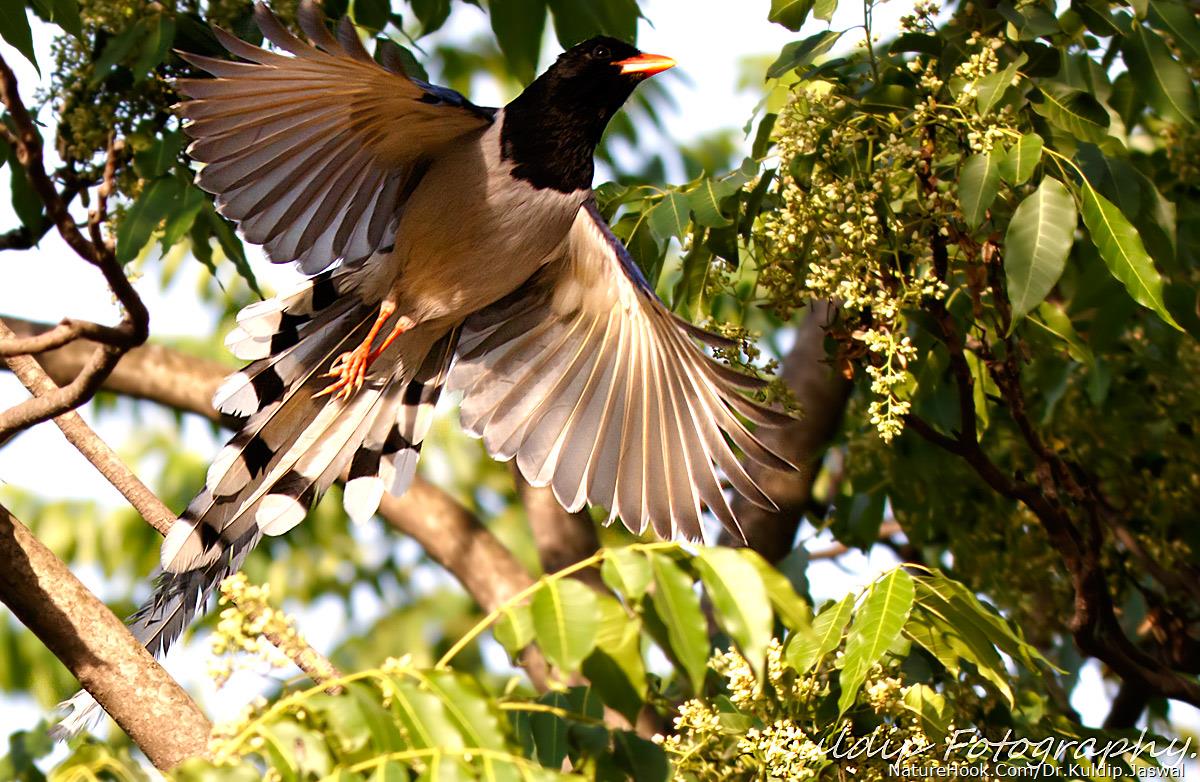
[[247, 618], [784, 750]]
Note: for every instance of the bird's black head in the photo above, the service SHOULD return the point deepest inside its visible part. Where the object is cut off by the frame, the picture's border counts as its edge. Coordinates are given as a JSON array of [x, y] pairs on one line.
[[552, 128]]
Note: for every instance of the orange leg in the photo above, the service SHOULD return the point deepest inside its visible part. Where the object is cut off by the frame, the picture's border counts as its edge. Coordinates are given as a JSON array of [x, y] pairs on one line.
[[350, 368]]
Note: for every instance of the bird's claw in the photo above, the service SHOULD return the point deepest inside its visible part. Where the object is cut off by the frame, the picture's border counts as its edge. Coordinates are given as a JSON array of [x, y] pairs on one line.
[[350, 369]]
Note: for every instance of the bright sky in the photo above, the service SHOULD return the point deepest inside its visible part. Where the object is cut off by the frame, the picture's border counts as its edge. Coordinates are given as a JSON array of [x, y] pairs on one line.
[[708, 38]]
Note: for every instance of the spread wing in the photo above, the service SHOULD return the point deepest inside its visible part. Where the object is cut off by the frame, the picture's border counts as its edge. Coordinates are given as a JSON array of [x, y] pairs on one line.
[[314, 152], [599, 391]]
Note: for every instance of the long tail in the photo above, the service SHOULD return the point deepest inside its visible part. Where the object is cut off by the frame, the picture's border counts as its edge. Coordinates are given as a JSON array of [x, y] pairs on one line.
[[291, 447]]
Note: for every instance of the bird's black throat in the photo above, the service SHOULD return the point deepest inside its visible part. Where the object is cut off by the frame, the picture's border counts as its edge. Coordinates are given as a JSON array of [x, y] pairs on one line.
[[551, 130]]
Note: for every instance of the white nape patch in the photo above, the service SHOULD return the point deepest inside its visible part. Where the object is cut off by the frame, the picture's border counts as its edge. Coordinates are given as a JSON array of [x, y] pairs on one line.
[[236, 396], [361, 497], [262, 318], [278, 513]]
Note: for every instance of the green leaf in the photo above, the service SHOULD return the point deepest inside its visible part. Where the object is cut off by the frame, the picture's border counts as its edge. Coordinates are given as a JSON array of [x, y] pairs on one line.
[[694, 269], [422, 716], [514, 629], [804, 650], [1123, 252], [431, 13], [1031, 20], [978, 184], [154, 47], [937, 592], [792, 609], [64, 13], [790, 13], [930, 708], [678, 606], [154, 204], [565, 621], [372, 14], [642, 760], [1165, 82], [1052, 318], [616, 668], [230, 244], [116, 49], [1076, 112], [158, 158], [14, 29], [645, 248], [25, 200], [182, 216], [518, 25], [876, 627], [578, 20], [740, 602], [1037, 243], [705, 201], [473, 713], [992, 87], [626, 572], [800, 53], [1018, 163], [670, 217], [1178, 19], [825, 9]]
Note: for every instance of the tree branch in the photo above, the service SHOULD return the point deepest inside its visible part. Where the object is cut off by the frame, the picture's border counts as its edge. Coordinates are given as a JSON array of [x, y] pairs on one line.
[[453, 536], [134, 327], [822, 394], [561, 538], [144, 501], [95, 646]]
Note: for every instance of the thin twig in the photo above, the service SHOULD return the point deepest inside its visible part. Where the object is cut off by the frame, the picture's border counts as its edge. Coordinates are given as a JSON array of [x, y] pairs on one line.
[[52, 400]]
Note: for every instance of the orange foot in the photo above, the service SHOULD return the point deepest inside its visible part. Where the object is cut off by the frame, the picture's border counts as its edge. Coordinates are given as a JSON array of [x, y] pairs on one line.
[[350, 368]]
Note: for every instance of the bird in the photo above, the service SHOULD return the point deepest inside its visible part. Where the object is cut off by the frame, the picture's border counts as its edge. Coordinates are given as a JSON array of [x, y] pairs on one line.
[[448, 246]]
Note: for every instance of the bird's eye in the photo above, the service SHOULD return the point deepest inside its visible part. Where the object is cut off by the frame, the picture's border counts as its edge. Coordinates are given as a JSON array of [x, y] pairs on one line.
[[601, 52]]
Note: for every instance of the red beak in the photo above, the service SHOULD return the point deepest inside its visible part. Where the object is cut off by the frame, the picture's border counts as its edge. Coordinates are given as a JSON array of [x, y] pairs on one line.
[[649, 64]]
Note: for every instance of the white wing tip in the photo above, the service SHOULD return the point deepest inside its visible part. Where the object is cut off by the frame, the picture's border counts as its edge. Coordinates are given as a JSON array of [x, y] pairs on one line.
[[362, 496]]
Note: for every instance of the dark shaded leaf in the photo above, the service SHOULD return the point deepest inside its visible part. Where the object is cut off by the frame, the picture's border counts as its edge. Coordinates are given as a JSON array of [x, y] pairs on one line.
[[117, 49], [14, 29], [518, 25], [800, 53], [155, 47], [1073, 111], [150, 208], [1167, 85], [1178, 20], [790, 13], [1121, 247], [431, 13], [372, 14]]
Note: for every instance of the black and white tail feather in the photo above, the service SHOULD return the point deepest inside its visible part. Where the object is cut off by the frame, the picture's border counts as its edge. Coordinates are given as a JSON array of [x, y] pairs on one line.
[[291, 447]]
